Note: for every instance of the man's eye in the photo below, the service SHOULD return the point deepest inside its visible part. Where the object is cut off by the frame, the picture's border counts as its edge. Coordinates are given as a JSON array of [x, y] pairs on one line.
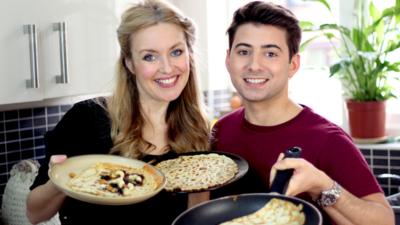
[[271, 54], [149, 58], [243, 52], [176, 52]]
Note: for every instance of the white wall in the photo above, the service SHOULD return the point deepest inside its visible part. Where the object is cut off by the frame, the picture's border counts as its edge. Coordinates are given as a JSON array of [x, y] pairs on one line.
[[212, 21], [197, 11]]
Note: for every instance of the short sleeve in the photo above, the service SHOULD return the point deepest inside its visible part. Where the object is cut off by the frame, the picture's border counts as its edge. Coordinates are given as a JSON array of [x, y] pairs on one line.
[[344, 163]]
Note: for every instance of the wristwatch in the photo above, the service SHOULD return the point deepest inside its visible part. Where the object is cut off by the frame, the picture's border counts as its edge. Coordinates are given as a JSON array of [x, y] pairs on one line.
[[329, 197]]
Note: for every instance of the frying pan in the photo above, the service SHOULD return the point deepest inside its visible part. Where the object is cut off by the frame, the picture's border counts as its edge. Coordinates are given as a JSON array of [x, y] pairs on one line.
[[219, 210]]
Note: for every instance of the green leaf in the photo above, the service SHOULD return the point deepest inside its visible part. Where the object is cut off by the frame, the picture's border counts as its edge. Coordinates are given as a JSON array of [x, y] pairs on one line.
[[397, 16], [328, 26], [391, 11], [335, 68], [304, 45], [392, 46], [373, 11], [395, 67], [306, 25], [330, 35], [387, 14], [360, 41]]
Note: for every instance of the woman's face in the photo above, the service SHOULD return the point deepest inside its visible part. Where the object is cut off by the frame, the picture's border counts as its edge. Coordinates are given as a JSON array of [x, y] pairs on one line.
[[160, 61]]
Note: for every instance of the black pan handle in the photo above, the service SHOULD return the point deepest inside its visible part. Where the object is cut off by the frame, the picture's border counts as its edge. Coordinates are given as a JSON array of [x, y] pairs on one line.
[[282, 177]]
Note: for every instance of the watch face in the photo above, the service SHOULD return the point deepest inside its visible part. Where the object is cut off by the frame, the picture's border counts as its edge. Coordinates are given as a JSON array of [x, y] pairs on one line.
[[329, 199]]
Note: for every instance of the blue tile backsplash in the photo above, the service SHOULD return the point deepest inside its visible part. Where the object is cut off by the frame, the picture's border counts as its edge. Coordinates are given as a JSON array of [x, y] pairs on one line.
[[21, 135]]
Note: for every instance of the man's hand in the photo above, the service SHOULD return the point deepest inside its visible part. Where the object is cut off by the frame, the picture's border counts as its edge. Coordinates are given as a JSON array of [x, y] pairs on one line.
[[306, 177]]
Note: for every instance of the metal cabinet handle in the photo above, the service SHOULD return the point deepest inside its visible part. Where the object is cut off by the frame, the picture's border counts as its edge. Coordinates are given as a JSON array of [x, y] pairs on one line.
[[34, 65], [61, 28]]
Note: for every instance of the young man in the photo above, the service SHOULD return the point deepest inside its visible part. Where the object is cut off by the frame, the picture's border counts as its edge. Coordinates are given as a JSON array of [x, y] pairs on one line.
[[331, 173]]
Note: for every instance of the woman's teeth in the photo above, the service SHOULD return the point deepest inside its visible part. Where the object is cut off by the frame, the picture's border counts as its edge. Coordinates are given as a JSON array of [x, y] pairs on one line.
[[166, 81]]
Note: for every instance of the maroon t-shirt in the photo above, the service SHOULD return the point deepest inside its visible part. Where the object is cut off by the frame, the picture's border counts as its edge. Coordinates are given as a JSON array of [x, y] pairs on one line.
[[323, 143]]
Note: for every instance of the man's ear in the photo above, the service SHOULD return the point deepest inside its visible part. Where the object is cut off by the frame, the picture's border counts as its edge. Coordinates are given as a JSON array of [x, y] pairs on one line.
[[227, 59], [294, 65], [129, 64]]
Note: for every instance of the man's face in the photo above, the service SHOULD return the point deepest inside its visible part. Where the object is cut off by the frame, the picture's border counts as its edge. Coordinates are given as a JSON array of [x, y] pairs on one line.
[[259, 64]]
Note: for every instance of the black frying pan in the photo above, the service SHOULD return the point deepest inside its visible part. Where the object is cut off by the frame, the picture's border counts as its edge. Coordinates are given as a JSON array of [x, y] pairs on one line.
[[219, 210], [226, 208]]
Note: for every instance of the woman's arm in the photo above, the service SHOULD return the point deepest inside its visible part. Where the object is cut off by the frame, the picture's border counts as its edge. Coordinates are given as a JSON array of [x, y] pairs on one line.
[[44, 202], [196, 198]]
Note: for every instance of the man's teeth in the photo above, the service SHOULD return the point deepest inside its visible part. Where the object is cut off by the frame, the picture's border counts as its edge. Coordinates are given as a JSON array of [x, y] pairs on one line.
[[255, 81], [167, 81]]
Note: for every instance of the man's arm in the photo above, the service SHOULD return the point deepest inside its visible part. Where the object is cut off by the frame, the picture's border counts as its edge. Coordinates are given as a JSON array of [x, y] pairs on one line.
[[371, 209]]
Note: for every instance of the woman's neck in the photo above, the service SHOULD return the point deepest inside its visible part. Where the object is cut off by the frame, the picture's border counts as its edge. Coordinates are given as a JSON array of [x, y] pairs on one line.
[[155, 129]]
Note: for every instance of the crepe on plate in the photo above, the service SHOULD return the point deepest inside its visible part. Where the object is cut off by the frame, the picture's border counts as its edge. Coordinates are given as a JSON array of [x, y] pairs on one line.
[[190, 173], [113, 180]]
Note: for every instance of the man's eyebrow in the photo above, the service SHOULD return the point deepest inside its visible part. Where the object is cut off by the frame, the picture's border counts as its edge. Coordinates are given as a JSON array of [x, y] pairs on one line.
[[262, 46], [271, 46], [242, 44]]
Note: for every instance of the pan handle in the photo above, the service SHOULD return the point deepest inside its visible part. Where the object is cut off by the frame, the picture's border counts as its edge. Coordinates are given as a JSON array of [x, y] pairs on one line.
[[279, 184]]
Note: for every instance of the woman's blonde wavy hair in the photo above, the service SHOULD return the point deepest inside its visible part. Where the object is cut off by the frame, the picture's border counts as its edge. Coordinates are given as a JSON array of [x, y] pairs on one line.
[[188, 128]]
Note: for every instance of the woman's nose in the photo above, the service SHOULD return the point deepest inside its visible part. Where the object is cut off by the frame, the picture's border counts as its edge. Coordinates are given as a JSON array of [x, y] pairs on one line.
[[165, 66]]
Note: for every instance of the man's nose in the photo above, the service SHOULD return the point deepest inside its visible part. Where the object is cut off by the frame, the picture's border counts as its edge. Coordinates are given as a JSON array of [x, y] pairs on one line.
[[254, 63]]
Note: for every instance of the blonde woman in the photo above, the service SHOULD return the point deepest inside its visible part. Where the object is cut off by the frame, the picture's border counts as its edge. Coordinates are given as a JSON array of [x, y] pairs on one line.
[[154, 111]]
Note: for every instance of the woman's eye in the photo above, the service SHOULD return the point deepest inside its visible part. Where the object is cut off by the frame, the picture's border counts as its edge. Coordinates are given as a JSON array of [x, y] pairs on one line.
[[149, 58], [176, 52]]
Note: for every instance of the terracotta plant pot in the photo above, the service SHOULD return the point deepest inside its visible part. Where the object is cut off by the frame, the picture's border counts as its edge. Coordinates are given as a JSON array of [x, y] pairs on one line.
[[367, 119]]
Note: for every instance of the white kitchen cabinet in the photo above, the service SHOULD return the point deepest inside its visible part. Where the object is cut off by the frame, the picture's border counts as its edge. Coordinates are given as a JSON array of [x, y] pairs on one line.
[[89, 42]]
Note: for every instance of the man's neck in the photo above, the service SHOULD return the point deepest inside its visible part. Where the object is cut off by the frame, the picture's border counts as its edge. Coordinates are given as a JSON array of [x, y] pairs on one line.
[[271, 113]]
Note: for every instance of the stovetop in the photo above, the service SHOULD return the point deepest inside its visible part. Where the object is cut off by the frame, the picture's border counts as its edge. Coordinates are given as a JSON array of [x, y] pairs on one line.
[[394, 201]]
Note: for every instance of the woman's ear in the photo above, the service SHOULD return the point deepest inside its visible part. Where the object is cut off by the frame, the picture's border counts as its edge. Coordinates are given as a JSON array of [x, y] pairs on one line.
[[129, 64]]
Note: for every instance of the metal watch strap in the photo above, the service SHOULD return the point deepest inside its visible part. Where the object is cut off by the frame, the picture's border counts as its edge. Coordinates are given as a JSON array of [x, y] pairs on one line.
[[330, 196]]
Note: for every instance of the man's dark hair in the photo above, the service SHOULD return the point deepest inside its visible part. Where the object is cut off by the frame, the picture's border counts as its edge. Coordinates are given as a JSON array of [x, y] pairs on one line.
[[259, 12]]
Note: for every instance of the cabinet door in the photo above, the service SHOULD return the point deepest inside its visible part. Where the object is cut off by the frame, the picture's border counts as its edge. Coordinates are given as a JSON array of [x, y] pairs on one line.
[[90, 46], [15, 53]]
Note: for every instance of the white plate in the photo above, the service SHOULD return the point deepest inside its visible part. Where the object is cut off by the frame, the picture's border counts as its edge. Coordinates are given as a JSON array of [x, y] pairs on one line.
[[59, 175]]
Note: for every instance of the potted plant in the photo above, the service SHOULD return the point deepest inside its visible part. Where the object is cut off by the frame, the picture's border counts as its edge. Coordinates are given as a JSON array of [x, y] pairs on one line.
[[364, 67]]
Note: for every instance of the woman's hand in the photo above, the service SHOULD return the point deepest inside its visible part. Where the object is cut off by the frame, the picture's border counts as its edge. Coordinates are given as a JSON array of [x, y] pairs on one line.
[[56, 159]]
